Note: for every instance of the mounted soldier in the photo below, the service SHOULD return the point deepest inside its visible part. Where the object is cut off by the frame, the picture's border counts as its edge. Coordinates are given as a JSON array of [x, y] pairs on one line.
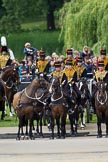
[[6, 54], [70, 53], [71, 80], [104, 57], [43, 65], [101, 74]]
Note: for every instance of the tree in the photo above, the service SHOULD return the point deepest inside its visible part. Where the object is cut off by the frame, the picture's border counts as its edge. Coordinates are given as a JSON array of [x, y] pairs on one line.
[[49, 7], [2, 9], [19, 10], [85, 22], [10, 22]]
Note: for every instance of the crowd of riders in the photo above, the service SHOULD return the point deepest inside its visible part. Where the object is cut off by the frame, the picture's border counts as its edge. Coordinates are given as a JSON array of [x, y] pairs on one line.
[[70, 67]]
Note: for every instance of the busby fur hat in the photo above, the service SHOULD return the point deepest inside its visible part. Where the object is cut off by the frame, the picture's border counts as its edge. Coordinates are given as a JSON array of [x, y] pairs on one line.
[[42, 53], [4, 49], [69, 52], [57, 64], [103, 51], [69, 62], [3, 41], [79, 59], [101, 63]]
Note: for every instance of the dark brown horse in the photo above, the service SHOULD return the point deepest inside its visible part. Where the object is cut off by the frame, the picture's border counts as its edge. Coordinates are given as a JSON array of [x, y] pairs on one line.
[[74, 116], [8, 85], [85, 100], [101, 105], [58, 109], [29, 103], [2, 99], [10, 79]]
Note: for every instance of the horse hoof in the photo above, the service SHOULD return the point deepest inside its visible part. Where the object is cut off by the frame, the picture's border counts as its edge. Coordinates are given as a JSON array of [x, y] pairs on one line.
[[82, 128], [58, 137], [62, 137], [106, 136], [32, 138], [41, 135], [26, 137], [22, 137], [99, 136], [17, 138], [51, 137]]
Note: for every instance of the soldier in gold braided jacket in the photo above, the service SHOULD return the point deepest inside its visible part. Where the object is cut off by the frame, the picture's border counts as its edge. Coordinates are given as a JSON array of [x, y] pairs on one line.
[[3, 57], [59, 73], [43, 65], [72, 77], [81, 70], [62, 77], [103, 57], [100, 74], [69, 53], [6, 54]]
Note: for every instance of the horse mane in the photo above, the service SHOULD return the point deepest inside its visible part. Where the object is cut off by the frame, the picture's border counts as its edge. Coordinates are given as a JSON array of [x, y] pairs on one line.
[[7, 73], [30, 90]]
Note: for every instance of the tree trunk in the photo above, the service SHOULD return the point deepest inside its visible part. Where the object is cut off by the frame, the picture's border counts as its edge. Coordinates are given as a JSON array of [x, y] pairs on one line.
[[50, 20]]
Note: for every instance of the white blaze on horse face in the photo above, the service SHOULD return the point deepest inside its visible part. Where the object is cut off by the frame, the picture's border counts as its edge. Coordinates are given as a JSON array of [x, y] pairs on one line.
[[80, 85], [50, 89]]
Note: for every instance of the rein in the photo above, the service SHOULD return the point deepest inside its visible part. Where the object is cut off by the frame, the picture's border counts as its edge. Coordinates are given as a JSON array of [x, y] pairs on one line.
[[34, 98], [9, 87]]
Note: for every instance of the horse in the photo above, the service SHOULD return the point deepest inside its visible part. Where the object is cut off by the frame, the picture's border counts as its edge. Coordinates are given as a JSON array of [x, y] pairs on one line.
[[29, 103], [74, 116], [10, 79], [58, 108], [101, 106], [85, 100], [2, 99]]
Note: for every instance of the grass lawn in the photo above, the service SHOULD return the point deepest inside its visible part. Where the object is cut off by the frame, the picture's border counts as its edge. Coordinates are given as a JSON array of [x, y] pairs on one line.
[[13, 121], [38, 36], [9, 121]]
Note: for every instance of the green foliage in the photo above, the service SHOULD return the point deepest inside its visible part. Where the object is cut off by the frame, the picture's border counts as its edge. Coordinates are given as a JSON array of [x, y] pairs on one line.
[[85, 22], [17, 12], [48, 40], [10, 22]]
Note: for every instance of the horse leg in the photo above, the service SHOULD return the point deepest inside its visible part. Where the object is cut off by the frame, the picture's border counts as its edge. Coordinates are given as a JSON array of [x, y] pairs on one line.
[[41, 133], [106, 127], [3, 109], [37, 128], [63, 129], [83, 119], [9, 104], [58, 126], [30, 129], [20, 128], [71, 124], [99, 135], [76, 122], [52, 127], [26, 131]]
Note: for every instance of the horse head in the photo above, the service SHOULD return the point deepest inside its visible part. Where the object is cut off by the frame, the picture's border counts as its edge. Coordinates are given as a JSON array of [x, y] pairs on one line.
[[83, 87], [55, 84], [102, 94]]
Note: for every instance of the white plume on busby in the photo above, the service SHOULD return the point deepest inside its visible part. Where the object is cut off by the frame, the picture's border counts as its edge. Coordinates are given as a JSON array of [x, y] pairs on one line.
[[3, 41]]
